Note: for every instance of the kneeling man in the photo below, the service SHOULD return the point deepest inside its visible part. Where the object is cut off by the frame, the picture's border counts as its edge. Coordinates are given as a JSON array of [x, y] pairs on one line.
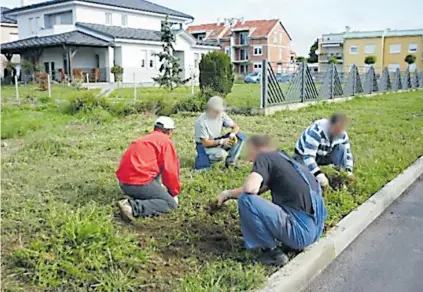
[[295, 216], [211, 146], [142, 164], [325, 142]]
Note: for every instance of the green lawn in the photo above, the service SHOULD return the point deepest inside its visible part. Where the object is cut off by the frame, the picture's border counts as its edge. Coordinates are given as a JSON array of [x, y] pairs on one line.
[[61, 230]]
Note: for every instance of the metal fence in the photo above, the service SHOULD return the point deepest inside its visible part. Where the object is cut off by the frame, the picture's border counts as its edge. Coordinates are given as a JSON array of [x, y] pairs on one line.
[[306, 84]]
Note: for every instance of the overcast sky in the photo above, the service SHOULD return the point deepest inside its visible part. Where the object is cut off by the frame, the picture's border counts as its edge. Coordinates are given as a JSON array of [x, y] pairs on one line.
[[305, 20]]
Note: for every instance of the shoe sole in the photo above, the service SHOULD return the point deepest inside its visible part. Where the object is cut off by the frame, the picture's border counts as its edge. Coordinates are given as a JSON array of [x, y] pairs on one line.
[[123, 214]]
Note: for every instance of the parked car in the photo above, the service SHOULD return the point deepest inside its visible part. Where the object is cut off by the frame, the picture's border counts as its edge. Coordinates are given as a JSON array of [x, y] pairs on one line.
[[284, 78], [253, 77]]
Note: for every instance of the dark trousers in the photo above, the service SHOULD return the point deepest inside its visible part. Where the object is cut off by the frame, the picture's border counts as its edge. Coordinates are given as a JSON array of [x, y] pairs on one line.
[[149, 199]]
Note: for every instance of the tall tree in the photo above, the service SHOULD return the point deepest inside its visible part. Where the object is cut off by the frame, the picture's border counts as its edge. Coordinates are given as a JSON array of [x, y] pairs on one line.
[[170, 68], [312, 56]]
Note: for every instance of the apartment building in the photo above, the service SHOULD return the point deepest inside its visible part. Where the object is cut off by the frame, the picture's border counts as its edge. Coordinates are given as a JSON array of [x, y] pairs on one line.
[[249, 42], [389, 46], [331, 45]]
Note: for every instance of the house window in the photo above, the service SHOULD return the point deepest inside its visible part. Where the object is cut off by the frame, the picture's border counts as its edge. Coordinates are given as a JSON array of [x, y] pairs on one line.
[[412, 48], [228, 51], [37, 24], [143, 58], [275, 37], [353, 50], [124, 20], [257, 66], [395, 49], [243, 38], [258, 51], [108, 18], [201, 37], [393, 67], [243, 55], [280, 37], [51, 20], [369, 49], [31, 25], [243, 69], [151, 61]]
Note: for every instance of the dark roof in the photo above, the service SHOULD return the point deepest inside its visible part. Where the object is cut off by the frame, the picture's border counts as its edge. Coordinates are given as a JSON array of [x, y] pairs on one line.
[[5, 19], [67, 38], [129, 4], [122, 32], [132, 33]]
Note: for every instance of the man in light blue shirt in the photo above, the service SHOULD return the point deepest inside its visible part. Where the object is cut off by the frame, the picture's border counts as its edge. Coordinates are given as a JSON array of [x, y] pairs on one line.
[[211, 145]]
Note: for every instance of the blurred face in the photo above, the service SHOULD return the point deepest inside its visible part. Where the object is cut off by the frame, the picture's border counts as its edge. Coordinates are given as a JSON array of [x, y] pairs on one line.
[[212, 113], [339, 127], [252, 152]]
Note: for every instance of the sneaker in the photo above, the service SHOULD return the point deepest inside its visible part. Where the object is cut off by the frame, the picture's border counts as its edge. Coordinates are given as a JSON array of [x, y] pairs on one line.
[[273, 257], [126, 210]]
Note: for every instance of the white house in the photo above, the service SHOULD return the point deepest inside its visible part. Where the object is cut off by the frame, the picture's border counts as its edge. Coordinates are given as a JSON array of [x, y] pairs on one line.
[[90, 36]]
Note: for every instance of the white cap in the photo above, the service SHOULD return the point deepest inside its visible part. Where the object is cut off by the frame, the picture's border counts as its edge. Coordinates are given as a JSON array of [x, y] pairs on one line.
[[165, 123], [216, 103]]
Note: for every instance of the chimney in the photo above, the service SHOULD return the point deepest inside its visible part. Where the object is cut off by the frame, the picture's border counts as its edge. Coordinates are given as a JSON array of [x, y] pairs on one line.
[[242, 20], [218, 21], [24, 3]]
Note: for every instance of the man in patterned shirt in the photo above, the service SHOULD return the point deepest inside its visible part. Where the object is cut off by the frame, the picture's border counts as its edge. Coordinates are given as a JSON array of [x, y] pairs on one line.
[[325, 142]]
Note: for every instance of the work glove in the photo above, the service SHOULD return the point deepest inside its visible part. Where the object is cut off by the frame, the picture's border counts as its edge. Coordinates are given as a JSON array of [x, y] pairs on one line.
[[176, 199], [223, 197], [323, 180], [232, 135], [227, 142], [350, 177]]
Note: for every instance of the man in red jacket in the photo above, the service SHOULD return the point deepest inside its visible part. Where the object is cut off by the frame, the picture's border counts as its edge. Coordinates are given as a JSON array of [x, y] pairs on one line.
[[145, 160]]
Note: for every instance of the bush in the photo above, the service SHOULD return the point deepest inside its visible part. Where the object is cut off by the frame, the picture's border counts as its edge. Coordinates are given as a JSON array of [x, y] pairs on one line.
[[117, 71], [216, 73], [191, 104], [370, 60], [410, 59], [42, 80], [333, 60]]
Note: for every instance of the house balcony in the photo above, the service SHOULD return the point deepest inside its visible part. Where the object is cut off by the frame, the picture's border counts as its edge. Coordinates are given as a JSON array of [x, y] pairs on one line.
[[240, 61], [325, 59], [241, 45]]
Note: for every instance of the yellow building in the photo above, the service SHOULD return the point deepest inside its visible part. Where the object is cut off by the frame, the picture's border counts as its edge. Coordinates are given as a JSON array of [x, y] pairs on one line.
[[390, 47]]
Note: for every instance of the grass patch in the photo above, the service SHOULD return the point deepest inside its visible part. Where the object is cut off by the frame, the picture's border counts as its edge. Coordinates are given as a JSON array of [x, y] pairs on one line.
[[59, 190]]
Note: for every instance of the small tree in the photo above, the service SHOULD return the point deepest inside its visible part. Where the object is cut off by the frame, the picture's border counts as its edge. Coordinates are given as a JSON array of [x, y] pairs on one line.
[[301, 59], [27, 68], [333, 60], [370, 60], [170, 70], [116, 70], [410, 59], [216, 73], [312, 56]]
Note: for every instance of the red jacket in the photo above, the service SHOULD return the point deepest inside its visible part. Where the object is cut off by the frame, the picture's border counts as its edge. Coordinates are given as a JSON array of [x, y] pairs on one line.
[[146, 158]]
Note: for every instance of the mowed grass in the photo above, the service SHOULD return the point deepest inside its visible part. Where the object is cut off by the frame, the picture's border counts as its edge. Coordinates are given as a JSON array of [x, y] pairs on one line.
[[242, 95], [61, 230]]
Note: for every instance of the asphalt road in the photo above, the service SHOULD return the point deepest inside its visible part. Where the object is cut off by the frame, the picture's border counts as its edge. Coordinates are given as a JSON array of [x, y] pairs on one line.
[[386, 257]]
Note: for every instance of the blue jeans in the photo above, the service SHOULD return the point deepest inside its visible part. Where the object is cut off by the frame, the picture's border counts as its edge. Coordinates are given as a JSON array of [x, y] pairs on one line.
[[206, 156], [264, 223], [337, 157]]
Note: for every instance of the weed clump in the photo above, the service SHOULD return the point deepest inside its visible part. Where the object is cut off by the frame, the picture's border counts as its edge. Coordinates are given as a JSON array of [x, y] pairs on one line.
[[80, 250]]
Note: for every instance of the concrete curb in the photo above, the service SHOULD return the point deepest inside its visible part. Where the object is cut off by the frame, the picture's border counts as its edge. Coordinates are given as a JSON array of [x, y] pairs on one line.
[[296, 106], [296, 275]]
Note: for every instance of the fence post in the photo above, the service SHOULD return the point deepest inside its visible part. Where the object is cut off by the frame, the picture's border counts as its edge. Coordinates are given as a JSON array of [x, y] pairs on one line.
[[135, 87], [16, 88], [354, 85], [332, 81], [88, 78], [49, 85], [192, 81], [303, 80], [263, 101]]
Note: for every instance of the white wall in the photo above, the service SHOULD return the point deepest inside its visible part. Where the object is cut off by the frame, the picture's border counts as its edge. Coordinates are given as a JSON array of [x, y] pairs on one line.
[[90, 14], [131, 58], [26, 31]]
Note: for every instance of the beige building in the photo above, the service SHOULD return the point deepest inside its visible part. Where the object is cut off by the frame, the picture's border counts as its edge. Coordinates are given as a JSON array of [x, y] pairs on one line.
[[9, 33]]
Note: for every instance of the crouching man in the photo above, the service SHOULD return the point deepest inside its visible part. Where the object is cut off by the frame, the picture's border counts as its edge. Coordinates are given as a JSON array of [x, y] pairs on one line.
[[295, 216], [210, 144], [145, 160], [326, 142]]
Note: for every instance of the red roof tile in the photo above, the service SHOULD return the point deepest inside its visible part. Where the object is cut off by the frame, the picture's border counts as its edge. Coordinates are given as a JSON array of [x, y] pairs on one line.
[[258, 28]]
